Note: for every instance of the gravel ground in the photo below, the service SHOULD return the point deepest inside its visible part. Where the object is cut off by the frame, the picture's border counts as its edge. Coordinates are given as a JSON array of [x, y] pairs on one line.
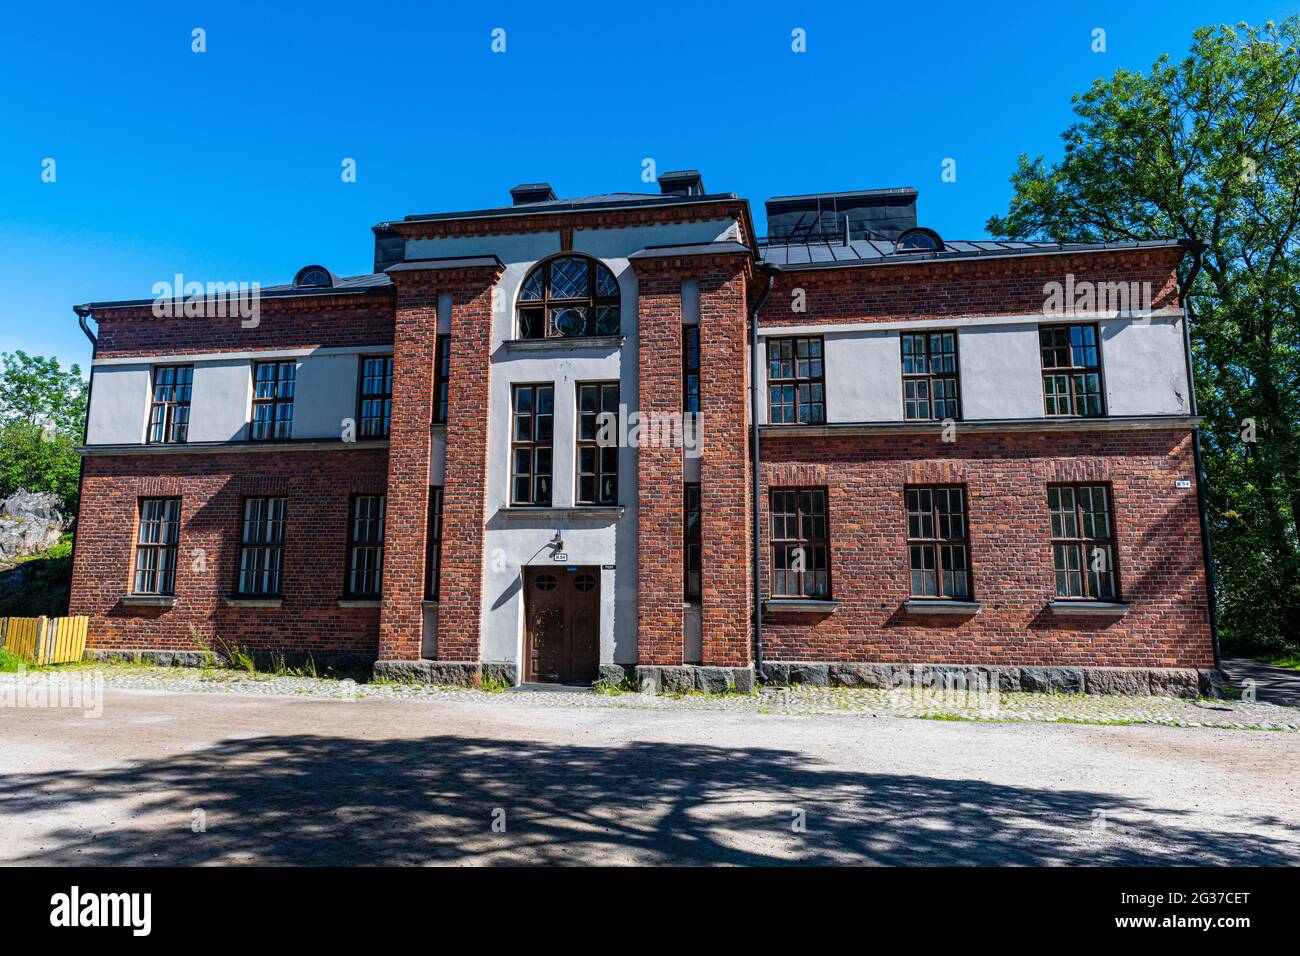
[[274, 772], [798, 701]]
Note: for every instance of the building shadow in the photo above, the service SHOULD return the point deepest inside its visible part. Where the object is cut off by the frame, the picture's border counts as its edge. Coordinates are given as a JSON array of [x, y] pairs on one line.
[[319, 800]]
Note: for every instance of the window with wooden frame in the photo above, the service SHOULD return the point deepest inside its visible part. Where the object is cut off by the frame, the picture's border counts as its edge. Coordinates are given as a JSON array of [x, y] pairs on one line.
[[261, 547], [169, 413], [433, 563], [1072, 378], [691, 555], [795, 382], [938, 548], [597, 461], [930, 376], [531, 440], [366, 545], [800, 543], [1083, 542], [441, 375], [569, 296], [375, 397], [157, 539], [273, 386], [690, 368]]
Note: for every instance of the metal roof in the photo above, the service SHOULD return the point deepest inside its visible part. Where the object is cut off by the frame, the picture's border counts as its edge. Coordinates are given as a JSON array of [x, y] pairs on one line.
[[823, 254], [348, 285], [599, 201]]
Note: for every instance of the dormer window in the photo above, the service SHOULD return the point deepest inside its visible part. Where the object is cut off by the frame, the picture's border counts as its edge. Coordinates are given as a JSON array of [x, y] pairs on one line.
[[313, 277], [919, 240], [567, 297]]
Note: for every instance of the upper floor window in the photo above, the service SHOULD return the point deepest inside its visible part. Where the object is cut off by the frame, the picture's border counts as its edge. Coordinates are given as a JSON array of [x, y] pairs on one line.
[[597, 460], [691, 555], [531, 444], [690, 368], [434, 558], [441, 375], [930, 376], [273, 400], [375, 415], [569, 296], [795, 383], [169, 414], [1071, 370]]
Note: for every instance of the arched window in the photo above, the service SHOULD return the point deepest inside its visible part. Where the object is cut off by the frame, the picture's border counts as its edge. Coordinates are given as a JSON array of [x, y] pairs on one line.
[[313, 277], [568, 296], [919, 239]]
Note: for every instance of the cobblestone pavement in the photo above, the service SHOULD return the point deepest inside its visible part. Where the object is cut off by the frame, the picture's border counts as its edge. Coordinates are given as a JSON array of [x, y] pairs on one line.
[[797, 701]]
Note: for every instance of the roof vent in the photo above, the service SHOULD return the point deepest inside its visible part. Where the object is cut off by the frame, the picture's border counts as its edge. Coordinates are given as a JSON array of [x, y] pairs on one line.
[[684, 182], [532, 192], [313, 277]]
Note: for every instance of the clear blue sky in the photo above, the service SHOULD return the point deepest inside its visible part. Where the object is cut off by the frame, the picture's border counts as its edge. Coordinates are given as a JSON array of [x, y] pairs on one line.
[[225, 165]]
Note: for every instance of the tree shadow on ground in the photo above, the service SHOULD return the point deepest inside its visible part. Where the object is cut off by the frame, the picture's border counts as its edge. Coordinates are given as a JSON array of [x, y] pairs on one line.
[[332, 800]]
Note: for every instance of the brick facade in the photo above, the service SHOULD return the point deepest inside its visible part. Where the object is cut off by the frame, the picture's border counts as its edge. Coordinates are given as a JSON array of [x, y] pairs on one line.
[[1004, 473]]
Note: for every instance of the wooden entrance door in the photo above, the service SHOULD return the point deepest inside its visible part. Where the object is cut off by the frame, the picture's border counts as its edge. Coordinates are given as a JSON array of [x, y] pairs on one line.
[[562, 620]]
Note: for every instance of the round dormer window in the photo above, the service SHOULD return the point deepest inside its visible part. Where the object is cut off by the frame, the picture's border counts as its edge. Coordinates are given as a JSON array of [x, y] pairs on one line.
[[313, 277], [919, 240]]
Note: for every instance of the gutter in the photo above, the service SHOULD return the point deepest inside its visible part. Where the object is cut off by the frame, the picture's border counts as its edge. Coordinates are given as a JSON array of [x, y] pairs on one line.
[[83, 313], [770, 272], [1207, 548]]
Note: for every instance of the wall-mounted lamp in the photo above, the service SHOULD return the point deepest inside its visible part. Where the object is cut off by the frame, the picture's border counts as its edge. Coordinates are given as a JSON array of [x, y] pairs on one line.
[[557, 543]]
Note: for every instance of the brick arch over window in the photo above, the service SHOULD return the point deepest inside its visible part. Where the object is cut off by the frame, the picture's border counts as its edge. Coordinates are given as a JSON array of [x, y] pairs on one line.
[[568, 296]]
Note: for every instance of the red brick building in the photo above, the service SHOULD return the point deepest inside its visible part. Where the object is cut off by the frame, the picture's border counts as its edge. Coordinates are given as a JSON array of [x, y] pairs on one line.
[[525, 446]]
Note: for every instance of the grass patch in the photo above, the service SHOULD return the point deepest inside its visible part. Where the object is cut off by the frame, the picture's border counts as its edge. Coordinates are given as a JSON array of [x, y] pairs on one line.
[[1290, 661], [10, 661]]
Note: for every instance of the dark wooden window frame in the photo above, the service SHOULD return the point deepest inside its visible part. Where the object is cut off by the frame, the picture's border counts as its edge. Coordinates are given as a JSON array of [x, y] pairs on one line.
[[796, 381], [592, 302], [1084, 545], [691, 368], [692, 542], [532, 445], [1068, 372], [385, 419], [158, 545], [373, 544], [801, 541], [441, 376], [929, 376], [433, 560], [276, 400], [935, 543], [589, 442], [163, 413], [262, 545]]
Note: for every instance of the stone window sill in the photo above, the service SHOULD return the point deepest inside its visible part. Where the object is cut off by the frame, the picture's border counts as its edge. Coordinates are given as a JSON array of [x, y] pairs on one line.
[[936, 606], [249, 600], [428, 603], [148, 600], [358, 602], [565, 344], [578, 511], [797, 606], [1088, 608]]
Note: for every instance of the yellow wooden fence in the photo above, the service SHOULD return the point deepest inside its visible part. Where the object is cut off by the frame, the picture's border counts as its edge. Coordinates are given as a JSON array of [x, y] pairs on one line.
[[44, 640]]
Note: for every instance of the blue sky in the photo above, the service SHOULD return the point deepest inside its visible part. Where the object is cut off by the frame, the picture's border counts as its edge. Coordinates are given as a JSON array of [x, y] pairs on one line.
[[225, 165]]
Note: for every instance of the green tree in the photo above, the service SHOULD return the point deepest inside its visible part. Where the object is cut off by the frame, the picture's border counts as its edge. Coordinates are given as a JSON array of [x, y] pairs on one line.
[[42, 420], [1209, 148]]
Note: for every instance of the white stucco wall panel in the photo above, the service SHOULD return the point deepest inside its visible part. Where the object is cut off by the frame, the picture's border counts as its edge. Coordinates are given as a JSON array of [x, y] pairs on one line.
[[119, 405], [324, 395], [219, 403], [1145, 367], [1001, 371]]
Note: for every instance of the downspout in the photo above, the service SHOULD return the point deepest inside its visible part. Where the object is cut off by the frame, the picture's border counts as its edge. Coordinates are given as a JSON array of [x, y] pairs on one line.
[[770, 272], [1207, 549], [83, 313]]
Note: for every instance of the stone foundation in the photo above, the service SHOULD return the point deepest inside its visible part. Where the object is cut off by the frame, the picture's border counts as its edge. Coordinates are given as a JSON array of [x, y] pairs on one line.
[[461, 673], [682, 678], [1159, 681], [262, 659]]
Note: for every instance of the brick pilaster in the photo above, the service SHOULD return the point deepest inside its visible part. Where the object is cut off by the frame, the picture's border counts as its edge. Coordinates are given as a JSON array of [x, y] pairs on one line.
[[660, 471], [725, 509]]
